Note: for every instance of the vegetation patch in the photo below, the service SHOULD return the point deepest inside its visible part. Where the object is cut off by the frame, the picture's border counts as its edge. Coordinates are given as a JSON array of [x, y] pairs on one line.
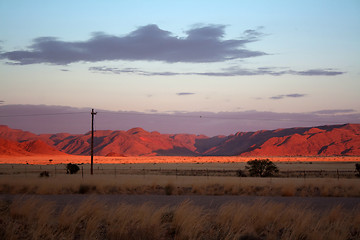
[[40, 219]]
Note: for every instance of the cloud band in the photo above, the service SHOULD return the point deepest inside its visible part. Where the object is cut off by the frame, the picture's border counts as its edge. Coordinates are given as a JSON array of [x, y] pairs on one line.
[[149, 43]]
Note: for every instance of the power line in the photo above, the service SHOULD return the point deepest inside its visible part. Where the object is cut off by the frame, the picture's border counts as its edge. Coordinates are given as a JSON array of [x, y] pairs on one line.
[[175, 116], [220, 118], [41, 114]]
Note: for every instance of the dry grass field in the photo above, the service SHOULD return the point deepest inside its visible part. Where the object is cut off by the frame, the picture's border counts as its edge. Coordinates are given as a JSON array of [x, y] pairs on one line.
[[34, 219], [27, 218], [179, 185], [206, 177]]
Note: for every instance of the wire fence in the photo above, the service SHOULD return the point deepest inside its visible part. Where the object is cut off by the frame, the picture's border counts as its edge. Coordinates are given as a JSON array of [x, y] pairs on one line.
[[100, 169]]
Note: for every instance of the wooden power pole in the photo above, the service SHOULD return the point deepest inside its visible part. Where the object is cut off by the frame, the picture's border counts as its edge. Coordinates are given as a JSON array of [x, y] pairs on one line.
[[92, 141]]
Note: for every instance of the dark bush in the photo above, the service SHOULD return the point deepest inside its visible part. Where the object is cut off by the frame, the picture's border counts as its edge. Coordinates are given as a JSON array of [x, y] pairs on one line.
[[169, 188], [86, 188], [261, 168], [357, 167], [44, 174], [72, 168], [240, 173]]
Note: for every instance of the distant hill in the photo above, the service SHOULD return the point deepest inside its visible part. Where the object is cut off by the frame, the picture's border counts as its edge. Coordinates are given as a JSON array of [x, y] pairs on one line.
[[27, 148], [321, 140]]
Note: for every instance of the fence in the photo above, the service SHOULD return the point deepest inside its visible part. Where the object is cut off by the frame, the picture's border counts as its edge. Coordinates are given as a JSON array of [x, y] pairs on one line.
[[53, 170]]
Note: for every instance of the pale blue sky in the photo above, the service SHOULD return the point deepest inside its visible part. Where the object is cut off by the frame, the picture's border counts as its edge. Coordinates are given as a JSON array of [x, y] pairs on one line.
[[308, 56]]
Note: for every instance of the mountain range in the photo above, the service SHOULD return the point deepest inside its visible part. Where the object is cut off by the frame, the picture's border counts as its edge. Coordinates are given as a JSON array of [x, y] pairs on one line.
[[326, 140]]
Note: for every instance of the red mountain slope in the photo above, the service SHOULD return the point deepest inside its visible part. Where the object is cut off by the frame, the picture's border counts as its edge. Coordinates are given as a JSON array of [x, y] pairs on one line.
[[16, 134], [336, 141], [11, 148], [322, 140], [31, 147], [39, 147], [134, 142]]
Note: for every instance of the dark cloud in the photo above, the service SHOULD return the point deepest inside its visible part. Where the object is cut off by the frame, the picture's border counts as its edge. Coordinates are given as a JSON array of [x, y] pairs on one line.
[[226, 72], [184, 93], [2, 101], [149, 43], [277, 97], [293, 95], [75, 120]]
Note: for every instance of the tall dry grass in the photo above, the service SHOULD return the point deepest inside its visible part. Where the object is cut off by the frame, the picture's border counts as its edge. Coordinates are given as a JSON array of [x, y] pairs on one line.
[[34, 219], [181, 185]]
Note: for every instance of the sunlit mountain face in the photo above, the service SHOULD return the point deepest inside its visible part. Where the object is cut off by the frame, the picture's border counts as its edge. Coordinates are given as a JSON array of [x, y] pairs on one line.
[[327, 140]]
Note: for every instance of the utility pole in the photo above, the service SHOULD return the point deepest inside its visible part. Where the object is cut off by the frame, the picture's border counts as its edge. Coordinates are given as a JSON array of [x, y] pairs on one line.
[[92, 141]]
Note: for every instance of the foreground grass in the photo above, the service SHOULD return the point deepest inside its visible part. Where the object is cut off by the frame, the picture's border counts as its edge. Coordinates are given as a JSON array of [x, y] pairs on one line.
[[36, 219], [182, 185]]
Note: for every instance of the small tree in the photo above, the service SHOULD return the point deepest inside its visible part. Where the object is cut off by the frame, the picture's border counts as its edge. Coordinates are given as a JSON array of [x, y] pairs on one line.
[[72, 168], [261, 168], [357, 167]]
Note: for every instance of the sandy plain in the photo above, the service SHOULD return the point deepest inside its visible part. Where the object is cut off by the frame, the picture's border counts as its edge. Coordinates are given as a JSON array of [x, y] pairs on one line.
[[61, 159]]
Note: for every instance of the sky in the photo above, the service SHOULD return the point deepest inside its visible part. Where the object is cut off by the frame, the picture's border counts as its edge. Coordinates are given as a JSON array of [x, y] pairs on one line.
[[298, 59]]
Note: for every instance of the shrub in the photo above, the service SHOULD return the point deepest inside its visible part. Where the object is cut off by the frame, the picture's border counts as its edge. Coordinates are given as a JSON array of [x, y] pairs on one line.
[[86, 188], [72, 168], [240, 173], [44, 174], [169, 188], [357, 167], [261, 168]]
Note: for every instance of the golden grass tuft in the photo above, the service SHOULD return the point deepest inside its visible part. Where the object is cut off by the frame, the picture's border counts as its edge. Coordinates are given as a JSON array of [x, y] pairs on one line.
[[182, 185], [35, 219]]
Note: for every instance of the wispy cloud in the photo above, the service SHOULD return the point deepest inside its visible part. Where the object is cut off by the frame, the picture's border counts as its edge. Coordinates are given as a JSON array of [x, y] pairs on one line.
[[293, 95], [149, 43], [2, 101], [237, 71], [113, 70], [226, 72], [334, 111], [318, 72], [184, 93]]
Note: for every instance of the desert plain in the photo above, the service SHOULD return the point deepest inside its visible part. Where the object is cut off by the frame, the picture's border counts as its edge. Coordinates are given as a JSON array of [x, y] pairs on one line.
[[139, 190], [78, 159], [161, 197]]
